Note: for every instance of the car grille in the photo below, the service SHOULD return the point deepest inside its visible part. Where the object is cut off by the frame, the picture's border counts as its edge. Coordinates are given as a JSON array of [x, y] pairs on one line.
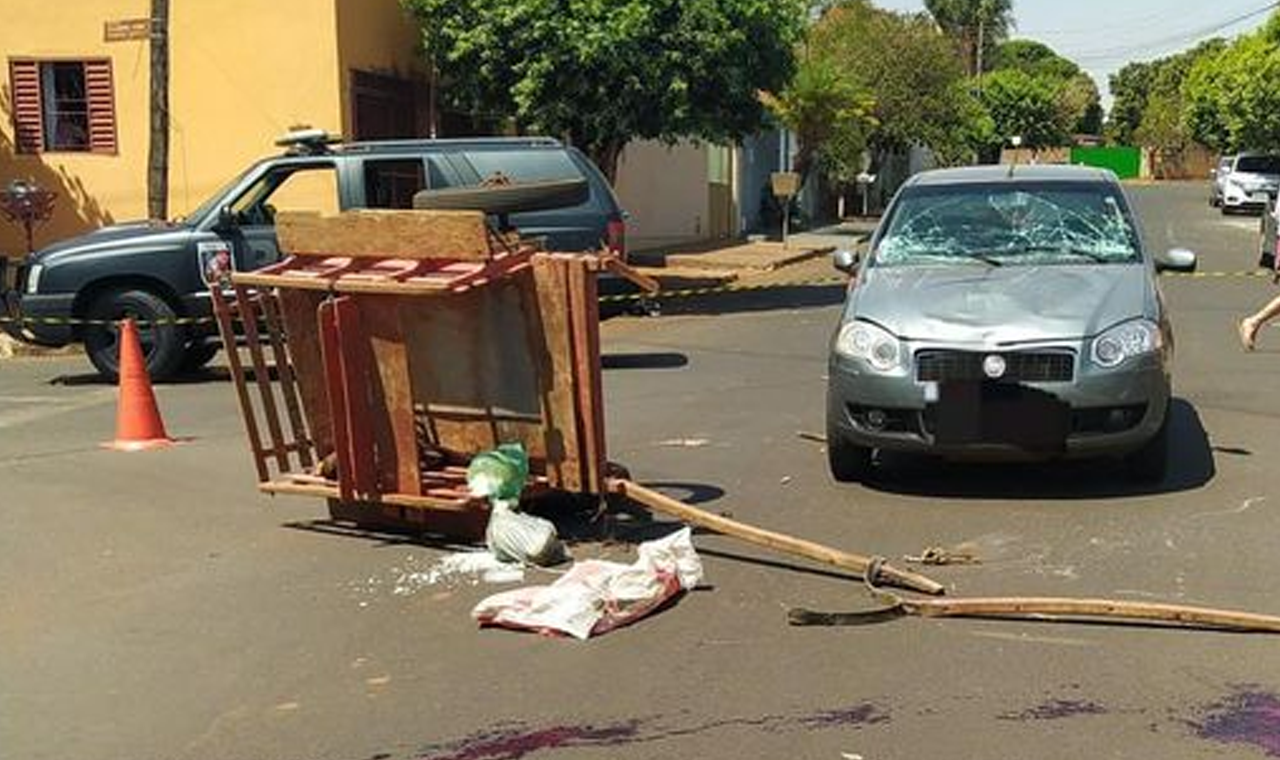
[[1021, 366]]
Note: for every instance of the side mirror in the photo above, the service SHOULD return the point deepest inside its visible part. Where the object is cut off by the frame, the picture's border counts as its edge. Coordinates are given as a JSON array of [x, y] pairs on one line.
[[845, 260], [226, 218], [1176, 260]]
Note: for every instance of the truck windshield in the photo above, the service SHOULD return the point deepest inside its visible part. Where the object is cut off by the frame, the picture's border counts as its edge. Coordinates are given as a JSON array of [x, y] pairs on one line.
[[204, 209]]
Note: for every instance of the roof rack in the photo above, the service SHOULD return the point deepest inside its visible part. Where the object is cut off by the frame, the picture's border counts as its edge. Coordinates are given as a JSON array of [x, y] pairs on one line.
[[373, 146], [307, 141]]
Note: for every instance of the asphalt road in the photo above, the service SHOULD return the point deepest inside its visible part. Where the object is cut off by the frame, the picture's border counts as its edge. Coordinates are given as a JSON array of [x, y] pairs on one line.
[[155, 606]]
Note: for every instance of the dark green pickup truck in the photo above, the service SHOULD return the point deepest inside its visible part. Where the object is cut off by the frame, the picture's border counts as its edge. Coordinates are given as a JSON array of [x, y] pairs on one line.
[[159, 273]]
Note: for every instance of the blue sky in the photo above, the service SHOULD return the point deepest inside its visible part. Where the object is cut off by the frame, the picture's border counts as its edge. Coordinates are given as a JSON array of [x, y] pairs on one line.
[[1103, 35]]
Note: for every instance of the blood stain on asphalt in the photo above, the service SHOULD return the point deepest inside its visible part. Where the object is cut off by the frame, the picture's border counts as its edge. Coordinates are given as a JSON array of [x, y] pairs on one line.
[[513, 741], [1249, 715], [1056, 709]]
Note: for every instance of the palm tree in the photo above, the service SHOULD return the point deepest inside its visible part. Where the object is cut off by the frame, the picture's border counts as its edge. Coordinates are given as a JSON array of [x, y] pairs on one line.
[[975, 25]]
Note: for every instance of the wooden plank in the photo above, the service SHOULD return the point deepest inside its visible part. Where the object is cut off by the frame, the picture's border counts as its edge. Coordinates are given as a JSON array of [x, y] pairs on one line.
[[1049, 609], [247, 307], [395, 434], [404, 500], [222, 312], [331, 349], [584, 318], [302, 330], [289, 389], [356, 361], [386, 233], [549, 333], [775, 541]]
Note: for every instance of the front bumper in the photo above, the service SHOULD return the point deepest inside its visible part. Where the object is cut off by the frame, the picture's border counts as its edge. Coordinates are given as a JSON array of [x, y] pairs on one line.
[[42, 319], [1097, 413], [1239, 198]]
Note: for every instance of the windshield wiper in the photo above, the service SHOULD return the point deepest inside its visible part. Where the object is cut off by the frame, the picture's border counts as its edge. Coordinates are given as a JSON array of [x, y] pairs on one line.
[[1070, 251]]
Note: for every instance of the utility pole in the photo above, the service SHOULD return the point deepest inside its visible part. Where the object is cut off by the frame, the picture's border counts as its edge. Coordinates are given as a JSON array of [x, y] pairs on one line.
[[158, 151]]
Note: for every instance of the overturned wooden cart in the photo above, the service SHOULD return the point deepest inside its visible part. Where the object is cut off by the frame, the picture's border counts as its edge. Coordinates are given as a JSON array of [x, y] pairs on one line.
[[390, 347]]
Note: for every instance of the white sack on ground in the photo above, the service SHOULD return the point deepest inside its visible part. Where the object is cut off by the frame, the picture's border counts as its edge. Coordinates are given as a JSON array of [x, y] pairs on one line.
[[596, 596]]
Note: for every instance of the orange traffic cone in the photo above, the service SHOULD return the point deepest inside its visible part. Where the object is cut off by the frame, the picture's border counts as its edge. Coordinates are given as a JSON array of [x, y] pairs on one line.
[[138, 423]]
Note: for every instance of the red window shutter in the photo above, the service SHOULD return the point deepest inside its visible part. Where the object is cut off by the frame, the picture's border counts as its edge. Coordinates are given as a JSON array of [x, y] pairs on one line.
[[100, 92], [24, 83]]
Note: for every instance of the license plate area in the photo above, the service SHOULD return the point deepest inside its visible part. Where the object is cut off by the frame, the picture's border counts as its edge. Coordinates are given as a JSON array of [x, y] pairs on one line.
[[984, 412]]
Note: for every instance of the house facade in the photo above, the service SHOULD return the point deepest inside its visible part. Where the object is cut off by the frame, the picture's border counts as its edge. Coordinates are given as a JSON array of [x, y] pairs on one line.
[[75, 109], [75, 94]]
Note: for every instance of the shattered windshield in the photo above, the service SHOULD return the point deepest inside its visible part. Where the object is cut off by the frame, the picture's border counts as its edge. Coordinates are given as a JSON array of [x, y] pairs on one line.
[[1009, 224]]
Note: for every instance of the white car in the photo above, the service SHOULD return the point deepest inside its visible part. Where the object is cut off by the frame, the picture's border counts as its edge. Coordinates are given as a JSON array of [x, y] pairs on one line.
[[1251, 182]]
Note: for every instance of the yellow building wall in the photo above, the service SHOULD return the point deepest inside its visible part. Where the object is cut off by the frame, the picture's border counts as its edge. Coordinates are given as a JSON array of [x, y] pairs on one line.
[[378, 37], [242, 72], [92, 189]]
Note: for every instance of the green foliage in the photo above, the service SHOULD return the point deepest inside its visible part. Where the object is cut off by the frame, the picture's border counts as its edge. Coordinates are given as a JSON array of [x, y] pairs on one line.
[[604, 72], [1034, 58], [1079, 103], [961, 20], [1025, 106], [1150, 106], [906, 66], [830, 115], [1130, 87], [1230, 98]]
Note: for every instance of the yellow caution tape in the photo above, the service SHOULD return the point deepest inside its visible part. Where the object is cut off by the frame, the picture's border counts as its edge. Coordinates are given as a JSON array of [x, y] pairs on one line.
[[619, 298]]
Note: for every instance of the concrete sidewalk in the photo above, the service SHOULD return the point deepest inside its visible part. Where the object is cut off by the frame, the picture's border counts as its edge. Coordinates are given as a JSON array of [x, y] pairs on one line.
[[736, 258]]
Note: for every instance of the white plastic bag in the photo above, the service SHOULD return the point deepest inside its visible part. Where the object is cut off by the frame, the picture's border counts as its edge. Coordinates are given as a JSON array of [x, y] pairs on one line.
[[515, 536], [596, 596]]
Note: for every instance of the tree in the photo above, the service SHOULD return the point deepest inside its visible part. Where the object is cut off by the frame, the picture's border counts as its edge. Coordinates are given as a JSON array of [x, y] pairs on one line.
[[829, 113], [1024, 106], [1130, 88], [975, 26], [1077, 94], [605, 72], [908, 68], [1034, 58], [1151, 93], [1230, 99]]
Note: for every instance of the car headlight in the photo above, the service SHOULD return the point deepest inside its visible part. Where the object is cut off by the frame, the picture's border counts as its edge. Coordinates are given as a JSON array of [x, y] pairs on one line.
[[1126, 341], [33, 278], [874, 345]]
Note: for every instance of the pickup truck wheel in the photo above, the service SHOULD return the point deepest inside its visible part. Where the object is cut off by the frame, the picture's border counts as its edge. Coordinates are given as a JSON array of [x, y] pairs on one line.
[[162, 344]]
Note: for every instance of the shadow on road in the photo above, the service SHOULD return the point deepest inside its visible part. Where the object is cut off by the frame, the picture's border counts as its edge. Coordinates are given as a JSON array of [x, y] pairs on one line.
[[203, 375], [1191, 466], [777, 298], [645, 360]]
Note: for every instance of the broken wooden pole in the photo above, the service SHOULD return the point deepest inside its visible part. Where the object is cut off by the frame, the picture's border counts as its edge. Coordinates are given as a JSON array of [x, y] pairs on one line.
[[1052, 609], [860, 565]]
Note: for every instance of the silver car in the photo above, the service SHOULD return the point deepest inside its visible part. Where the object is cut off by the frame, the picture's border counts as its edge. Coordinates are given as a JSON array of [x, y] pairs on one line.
[[1004, 313]]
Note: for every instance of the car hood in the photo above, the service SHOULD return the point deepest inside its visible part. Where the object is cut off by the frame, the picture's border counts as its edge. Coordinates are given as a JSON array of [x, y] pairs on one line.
[[133, 235], [1253, 178], [1002, 305]]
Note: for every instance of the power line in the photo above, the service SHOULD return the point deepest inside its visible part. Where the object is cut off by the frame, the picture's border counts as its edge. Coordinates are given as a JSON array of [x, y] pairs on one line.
[[1165, 42]]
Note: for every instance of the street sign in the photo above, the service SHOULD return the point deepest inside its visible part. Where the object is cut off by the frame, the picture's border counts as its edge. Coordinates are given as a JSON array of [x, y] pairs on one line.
[[127, 29], [785, 184]]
